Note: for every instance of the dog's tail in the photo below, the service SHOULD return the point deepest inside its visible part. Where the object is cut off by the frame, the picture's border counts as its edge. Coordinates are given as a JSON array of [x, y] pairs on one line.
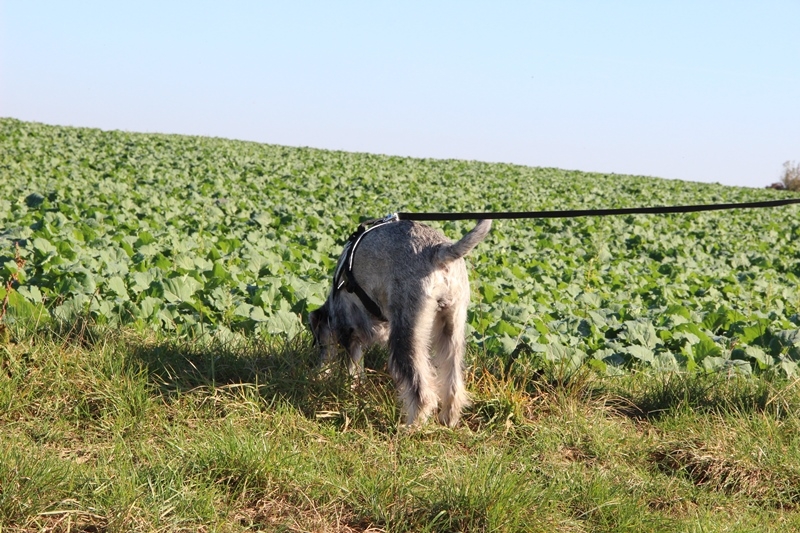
[[457, 250]]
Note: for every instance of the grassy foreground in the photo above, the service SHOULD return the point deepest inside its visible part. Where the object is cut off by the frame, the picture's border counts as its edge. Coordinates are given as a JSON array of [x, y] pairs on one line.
[[118, 431]]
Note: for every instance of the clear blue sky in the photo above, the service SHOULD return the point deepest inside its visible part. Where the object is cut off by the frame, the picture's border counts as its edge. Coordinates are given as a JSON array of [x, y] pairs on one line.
[[698, 91]]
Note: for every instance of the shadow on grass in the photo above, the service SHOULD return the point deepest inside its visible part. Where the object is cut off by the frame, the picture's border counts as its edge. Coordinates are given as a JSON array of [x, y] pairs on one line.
[[287, 371], [649, 397], [281, 370], [638, 395]]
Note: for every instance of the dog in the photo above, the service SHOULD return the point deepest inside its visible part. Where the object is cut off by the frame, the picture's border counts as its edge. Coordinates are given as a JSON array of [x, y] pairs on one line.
[[404, 284]]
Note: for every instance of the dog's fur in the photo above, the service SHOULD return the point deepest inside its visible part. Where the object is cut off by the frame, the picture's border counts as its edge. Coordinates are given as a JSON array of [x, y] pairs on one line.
[[419, 280]]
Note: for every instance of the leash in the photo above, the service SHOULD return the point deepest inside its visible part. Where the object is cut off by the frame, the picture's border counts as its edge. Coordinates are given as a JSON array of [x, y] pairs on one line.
[[594, 212], [349, 283]]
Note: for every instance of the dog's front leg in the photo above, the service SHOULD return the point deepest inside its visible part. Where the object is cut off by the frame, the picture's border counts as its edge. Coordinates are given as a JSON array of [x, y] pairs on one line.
[[355, 363], [327, 355]]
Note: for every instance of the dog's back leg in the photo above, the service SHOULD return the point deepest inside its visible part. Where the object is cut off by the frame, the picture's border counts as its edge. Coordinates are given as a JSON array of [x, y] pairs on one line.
[[409, 355], [449, 344]]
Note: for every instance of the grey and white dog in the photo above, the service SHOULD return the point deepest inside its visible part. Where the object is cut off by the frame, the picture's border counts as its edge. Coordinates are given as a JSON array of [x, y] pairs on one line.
[[415, 281]]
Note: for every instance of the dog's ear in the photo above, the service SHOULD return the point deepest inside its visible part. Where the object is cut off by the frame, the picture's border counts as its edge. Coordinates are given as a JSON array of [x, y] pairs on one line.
[[317, 316]]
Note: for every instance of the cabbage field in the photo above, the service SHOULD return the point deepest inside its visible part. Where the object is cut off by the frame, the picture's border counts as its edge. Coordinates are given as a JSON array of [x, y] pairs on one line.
[[195, 237]]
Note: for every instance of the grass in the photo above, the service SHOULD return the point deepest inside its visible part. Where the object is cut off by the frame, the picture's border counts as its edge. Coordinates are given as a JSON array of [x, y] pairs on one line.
[[113, 430]]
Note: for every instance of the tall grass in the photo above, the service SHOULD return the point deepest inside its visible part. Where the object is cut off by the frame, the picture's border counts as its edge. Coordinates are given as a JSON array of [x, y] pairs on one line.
[[119, 431]]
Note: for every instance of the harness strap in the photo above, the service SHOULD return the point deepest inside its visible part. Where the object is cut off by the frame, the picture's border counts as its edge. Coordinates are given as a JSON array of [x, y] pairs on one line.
[[353, 287], [349, 281]]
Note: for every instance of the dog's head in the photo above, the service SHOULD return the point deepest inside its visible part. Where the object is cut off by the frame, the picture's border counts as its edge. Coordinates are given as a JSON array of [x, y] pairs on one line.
[[324, 337]]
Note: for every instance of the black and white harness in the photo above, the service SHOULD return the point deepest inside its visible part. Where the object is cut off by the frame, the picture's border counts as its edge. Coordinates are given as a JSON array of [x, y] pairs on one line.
[[348, 281]]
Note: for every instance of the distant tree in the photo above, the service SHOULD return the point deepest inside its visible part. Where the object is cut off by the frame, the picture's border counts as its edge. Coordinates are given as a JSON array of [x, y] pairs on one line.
[[790, 179]]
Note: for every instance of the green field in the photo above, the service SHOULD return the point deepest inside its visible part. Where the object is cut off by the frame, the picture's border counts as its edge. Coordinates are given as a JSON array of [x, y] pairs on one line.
[[627, 373], [238, 240]]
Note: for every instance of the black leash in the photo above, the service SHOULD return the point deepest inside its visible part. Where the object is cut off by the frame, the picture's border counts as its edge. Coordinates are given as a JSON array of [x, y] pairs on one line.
[[344, 277], [595, 212]]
